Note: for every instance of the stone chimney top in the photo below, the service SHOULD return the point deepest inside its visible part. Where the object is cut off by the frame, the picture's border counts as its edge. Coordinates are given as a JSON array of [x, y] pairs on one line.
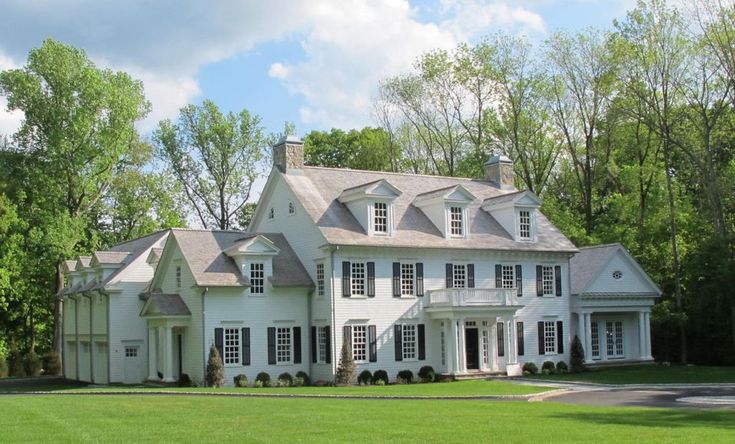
[[288, 153], [499, 171]]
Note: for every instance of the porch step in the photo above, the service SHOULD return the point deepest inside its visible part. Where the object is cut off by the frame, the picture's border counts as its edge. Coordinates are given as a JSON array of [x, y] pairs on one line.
[[620, 363], [471, 375]]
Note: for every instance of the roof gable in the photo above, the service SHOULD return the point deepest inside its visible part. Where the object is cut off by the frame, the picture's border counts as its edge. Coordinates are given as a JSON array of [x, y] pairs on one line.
[[164, 305], [379, 189], [454, 194], [518, 198], [609, 269], [257, 245]]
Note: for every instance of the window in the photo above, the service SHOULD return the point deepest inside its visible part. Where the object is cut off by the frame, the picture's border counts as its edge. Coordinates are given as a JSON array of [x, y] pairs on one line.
[[459, 276], [357, 281], [231, 346], [131, 351], [443, 347], [409, 341], [508, 276], [283, 344], [501, 338], [456, 222], [271, 213], [178, 276], [485, 348], [549, 337], [322, 340], [617, 274], [380, 217], [525, 224], [614, 331], [408, 273], [547, 274], [595, 336], [257, 278], [85, 347], [320, 279], [291, 208], [359, 343]]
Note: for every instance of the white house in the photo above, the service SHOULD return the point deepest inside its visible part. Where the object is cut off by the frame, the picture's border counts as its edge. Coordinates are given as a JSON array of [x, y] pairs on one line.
[[467, 276]]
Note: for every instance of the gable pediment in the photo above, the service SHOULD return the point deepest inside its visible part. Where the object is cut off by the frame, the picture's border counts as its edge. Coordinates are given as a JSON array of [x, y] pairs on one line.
[[456, 194], [380, 189], [255, 246], [622, 275], [517, 199]]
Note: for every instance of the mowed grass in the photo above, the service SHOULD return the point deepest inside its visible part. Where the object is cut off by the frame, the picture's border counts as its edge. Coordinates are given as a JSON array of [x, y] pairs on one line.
[[135, 418], [649, 374]]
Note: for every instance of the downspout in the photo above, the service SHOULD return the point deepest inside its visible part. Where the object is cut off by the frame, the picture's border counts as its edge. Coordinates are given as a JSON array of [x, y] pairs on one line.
[[334, 316], [204, 344]]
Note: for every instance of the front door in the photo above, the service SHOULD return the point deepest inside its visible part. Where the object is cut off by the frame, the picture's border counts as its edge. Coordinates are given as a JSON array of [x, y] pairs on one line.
[[472, 348]]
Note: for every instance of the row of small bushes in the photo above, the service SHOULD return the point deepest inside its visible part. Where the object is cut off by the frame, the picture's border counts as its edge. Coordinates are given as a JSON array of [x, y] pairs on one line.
[[380, 377], [263, 379], [30, 364], [547, 368]]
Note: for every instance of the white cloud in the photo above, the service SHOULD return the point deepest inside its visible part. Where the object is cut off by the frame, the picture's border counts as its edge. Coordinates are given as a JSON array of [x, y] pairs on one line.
[[9, 120], [278, 71]]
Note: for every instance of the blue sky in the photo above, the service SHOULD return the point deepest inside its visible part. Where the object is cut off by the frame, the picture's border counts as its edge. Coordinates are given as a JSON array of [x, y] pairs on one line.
[[316, 63]]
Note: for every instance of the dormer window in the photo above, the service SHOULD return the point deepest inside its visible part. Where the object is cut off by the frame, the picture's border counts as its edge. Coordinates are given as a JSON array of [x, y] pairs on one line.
[[257, 278], [456, 221], [380, 217], [448, 209], [516, 213], [524, 224], [372, 206]]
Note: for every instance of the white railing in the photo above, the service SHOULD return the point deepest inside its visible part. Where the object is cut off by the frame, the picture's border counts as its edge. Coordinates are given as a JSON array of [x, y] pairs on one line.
[[472, 297]]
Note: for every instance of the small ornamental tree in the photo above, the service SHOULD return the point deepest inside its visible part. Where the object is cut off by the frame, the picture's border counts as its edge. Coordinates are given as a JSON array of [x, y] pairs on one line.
[[215, 369], [346, 368], [577, 355]]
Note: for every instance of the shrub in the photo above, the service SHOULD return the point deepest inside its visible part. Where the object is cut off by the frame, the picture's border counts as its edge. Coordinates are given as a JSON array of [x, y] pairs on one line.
[[32, 364], [561, 367], [258, 384], [52, 363], [304, 378], [380, 375], [241, 381], [15, 363], [548, 367], [215, 369], [3, 368], [285, 380], [264, 379], [298, 381], [577, 355], [346, 369], [426, 373], [405, 376], [530, 367], [185, 381], [365, 377]]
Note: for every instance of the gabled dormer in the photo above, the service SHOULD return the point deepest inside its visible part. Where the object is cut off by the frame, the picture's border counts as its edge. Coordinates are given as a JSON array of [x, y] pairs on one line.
[[71, 277], [372, 205], [516, 213], [447, 210], [86, 273], [254, 258], [106, 262]]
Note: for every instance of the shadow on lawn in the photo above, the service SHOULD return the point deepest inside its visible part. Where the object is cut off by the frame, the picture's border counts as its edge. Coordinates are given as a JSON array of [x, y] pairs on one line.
[[666, 418], [41, 383]]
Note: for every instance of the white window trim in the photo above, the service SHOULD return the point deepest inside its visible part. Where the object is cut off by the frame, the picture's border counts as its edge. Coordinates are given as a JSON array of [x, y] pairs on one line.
[[454, 274], [531, 223], [290, 346], [250, 276], [512, 274], [291, 209], [364, 280], [465, 225], [547, 336], [543, 281], [406, 331], [413, 279], [388, 218], [178, 275], [235, 333], [364, 343], [321, 343], [321, 282]]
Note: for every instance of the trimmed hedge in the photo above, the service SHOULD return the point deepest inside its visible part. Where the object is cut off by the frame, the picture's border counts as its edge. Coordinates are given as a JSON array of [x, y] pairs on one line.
[[427, 374], [380, 375], [365, 377], [530, 367], [285, 380], [264, 379], [304, 378], [405, 376], [241, 381]]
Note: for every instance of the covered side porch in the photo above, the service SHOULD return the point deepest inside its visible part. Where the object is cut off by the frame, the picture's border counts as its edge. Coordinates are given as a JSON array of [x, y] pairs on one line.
[[168, 321], [477, 329]]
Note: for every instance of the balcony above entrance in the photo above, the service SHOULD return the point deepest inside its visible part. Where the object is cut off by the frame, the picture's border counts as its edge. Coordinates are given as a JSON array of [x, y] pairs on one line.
[[473, 297]]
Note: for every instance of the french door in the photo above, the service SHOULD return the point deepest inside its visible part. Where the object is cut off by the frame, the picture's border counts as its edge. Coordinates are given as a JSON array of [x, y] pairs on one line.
[[614, 333]]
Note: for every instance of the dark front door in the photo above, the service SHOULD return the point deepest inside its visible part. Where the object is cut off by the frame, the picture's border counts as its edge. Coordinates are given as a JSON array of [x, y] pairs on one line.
[[472, 348]]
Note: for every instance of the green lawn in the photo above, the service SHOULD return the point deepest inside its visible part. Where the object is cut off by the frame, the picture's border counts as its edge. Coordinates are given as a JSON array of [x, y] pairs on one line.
[[125, 418], [649, 374]]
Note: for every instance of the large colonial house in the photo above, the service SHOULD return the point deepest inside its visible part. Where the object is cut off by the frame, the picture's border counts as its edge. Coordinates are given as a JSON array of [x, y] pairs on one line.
[[467, 276]]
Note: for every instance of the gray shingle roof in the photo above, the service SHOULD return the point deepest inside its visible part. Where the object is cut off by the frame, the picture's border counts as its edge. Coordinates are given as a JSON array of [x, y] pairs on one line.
[[586, 265], [161, 304], [318, 188], [203, 251], [110, 257]]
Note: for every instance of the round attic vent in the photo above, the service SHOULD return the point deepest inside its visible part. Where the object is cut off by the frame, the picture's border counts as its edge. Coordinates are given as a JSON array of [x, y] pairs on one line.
[[617, 274]]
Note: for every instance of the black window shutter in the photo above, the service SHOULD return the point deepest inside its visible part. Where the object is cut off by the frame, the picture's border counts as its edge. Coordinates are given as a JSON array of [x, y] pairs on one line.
[[519, 280], [470, 275], [297, 345], [450, 279], [501, 338], [559, 337], [519, 338], [396, 279], [539, 280], [314, 351], [557, 279], [419, 279], [371, 279], [422, 341], [271, 345], [541, 348], [347, 336], [398, 341], [373, 342], [498, 276], [246, 346], [346, 290], [328, 344], [219, 340]]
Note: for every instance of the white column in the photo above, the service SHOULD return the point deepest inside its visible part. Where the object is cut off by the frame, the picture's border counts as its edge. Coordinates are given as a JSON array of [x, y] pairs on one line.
[[493, 343], [642, 334], [152, 375], [588, 336], [461, 347], [168, 355], [452, 353], [581, 335], [508, 349], [647, 327]]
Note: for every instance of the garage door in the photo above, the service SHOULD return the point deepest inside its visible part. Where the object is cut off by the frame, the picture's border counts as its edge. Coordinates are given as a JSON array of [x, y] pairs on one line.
[[133, 359], [100, 363]]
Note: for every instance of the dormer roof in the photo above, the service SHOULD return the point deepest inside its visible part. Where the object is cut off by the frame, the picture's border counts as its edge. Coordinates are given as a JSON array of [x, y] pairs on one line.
[[256, 246], [69, 266], [518, 198], [109, 258], [376, 189], [154, 256], [83, 262], [452, 194]]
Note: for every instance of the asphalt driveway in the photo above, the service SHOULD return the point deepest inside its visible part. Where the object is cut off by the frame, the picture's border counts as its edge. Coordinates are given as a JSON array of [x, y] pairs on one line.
[[681, 397]]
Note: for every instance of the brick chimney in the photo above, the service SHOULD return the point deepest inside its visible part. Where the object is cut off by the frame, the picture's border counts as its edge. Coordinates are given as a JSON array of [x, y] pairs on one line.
[[288, 153], [499, 171]]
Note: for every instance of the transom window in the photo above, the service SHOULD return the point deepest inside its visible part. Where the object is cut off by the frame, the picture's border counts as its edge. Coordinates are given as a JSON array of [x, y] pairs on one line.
[[131, 352], [380, 217], [456, 221], [409, 341], [508, 277], [320, 279], [322, 337], [525, 224], [359, 343], [459, 276], [357, 280], [232, 346], [549, 337], [257, 278], [547, 274], [408, 273], [283, 344]]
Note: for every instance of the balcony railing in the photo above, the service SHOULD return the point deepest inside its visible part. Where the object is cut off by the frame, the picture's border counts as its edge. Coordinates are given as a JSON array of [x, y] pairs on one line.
[[472, 297]]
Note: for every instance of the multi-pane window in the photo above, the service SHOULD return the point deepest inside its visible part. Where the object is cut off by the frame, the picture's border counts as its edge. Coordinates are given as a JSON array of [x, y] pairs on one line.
[[442, 340], [291, 208], [500, 333], [178, 276], [257, 278], [485, 348], [456, 221], [549, 337], [380, 217], [232, 346], [595, 336], [614, 332], [320, 279], [357, 280], [283, 344], [322, 339], [459, 276], [359, 343], [131, 352], [525, 224], [409, 341], [547, 274], [508, 276], [408, 274], [272, 213]]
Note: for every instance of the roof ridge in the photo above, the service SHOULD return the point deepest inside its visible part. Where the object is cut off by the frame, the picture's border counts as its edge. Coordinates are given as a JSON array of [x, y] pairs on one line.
[[208, 230], [611, 244], [395, 173]]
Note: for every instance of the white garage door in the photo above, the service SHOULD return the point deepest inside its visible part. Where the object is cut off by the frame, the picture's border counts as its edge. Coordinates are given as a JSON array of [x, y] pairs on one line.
[[133, 359]]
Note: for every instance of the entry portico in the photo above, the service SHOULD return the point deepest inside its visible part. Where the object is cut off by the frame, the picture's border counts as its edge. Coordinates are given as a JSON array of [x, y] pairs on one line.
[[168, 319]]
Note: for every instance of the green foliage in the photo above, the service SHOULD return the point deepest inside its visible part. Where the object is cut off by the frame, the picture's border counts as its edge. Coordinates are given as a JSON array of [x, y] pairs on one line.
[[548, 367], [15, 363], [346, 368], [285, 380], [380, 377], [185, 381], [264, 379], [577, 355], [561, 367], [215, 369], [304, 378], [404, 377], [241, 381], [367, 149], [530, 367], [3, 367], [427, 374], [365, 377], [32, 364], [51, 363]]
